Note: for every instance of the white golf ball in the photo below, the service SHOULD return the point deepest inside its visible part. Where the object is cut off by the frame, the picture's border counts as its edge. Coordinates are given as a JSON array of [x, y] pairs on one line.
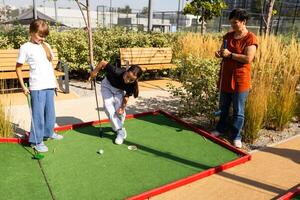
[[101, 151]]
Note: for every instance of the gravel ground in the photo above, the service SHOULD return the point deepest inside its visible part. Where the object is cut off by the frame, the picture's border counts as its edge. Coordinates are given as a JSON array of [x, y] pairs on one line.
[[83, 89]]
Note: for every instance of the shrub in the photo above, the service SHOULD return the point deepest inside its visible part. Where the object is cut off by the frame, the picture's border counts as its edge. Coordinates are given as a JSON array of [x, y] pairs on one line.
[[198, 94], [17, 36], [4, 42]]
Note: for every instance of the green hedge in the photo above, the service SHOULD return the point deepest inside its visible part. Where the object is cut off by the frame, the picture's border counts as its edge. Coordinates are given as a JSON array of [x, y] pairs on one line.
[[72, 44]]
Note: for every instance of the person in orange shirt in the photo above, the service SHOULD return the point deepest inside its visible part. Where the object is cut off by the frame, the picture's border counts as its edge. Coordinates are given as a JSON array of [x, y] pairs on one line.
[[235, 73]]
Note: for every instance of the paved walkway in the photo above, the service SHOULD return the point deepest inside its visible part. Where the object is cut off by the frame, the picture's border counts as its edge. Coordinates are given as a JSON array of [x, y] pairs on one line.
[[271, 172]]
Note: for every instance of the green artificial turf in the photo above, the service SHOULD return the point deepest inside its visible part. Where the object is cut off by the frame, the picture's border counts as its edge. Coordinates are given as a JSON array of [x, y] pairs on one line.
[[166, 152], [297, 197], [21, 177]]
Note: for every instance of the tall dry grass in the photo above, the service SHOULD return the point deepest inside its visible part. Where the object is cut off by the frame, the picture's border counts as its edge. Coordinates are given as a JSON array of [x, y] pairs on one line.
[[264, 69], [6, 129], [283, 103], [197, 45]]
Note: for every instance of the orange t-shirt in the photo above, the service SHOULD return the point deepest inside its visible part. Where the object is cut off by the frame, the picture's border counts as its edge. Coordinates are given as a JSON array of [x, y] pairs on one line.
[[236, 76]]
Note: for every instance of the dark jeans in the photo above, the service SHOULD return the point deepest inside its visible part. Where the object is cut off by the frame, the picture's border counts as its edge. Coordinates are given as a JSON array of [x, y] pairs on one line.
[[238, 100]]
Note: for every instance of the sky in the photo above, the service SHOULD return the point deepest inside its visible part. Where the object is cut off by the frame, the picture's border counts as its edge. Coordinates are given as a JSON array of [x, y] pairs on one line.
[[158, 5]]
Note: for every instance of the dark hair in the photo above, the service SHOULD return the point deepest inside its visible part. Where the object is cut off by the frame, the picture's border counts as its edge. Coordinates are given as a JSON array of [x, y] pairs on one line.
[[40, 26], [239, 14], [137, 71]]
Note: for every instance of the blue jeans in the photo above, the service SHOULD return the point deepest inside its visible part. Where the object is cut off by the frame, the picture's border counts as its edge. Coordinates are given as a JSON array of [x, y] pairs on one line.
[[43, 115], [238, 100]]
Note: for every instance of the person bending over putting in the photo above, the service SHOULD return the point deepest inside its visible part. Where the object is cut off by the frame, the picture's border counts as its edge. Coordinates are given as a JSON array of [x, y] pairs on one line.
[[116, 88]]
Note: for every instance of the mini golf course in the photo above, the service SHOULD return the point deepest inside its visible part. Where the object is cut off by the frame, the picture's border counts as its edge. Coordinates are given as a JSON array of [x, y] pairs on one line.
[[169, 153]]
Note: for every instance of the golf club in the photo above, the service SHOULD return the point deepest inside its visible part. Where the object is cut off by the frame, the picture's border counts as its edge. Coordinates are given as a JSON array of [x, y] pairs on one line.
[[95, 89], [218, 112], [37, 155]]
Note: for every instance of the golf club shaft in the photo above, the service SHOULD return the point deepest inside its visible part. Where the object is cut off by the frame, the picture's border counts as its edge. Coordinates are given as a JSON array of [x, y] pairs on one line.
[[31, 115], [221, 77], [97, 104]]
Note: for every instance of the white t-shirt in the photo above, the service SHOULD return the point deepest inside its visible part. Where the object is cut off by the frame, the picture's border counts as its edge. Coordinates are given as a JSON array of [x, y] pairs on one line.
[[41, 75]]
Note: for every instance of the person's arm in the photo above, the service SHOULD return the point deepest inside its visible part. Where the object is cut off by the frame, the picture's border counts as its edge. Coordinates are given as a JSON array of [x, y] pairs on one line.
[[101, 65], [20, 77], [124, 103], [218, 53], [247, 57]]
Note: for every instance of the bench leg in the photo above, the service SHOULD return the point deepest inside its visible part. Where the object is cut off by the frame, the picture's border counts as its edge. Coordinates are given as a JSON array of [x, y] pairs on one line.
[[63, 82], [66, 79]]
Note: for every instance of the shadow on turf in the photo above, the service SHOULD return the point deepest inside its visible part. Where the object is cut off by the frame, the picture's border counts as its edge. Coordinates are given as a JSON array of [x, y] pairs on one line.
[[168, 156], [163, 120], [108, 133]]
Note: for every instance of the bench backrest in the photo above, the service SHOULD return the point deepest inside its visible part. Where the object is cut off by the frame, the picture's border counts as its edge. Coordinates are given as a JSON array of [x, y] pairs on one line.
[[144, 56], [8, 59]]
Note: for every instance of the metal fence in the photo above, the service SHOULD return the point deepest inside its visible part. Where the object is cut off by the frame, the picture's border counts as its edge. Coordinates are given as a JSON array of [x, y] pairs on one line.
[[170, 21]]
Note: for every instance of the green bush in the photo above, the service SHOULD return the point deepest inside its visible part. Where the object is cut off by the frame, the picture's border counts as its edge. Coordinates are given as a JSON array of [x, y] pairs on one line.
[[4, 42], [17, 36], [198, 94], [72, 46]]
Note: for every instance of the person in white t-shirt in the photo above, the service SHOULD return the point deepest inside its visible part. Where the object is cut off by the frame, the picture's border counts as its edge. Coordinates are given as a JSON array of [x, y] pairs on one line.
[[42, 84]]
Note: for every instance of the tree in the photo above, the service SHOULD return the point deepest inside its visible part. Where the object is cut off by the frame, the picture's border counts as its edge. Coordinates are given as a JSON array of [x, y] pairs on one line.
[[145, 10], [126, 9], [5, 12], [270, 6], [206, 9]]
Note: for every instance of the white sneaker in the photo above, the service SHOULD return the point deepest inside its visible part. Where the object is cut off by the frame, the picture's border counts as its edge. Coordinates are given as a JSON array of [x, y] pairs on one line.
[[216, 133], [237, 143], [120, 137], [41, 148], [55, 136]]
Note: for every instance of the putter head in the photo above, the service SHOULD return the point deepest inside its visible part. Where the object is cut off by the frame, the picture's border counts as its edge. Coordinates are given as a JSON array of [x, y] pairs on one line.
[[38, 156]]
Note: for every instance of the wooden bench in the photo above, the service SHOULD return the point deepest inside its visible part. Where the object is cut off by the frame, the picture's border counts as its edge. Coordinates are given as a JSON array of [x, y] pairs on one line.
[[147, 58], [8, 59]]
